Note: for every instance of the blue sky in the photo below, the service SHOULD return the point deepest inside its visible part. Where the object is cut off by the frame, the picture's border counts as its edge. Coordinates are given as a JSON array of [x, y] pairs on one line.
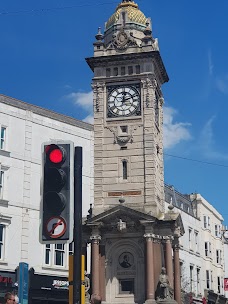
[[43, 46]]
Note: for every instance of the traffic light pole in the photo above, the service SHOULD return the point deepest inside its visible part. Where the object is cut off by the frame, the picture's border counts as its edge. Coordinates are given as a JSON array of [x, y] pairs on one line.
[[77, 225]]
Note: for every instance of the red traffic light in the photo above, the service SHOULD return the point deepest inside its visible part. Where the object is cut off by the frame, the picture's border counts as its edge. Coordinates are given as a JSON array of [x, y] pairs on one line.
[[55, 154]]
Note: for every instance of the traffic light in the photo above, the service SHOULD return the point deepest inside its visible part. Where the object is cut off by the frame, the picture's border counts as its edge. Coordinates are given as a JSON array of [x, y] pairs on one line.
[[57, 191]]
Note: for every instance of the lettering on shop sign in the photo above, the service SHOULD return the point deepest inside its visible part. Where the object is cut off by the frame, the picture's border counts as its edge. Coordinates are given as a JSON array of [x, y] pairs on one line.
[[6, 280], [60, 284]]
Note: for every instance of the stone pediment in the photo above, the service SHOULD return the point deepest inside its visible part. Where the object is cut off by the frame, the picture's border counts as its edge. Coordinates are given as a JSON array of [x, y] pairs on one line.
[[121, 218], [122, 212]]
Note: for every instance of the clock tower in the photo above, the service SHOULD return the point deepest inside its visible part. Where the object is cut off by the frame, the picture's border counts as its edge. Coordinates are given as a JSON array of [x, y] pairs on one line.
[[128, 113], [132, 237]]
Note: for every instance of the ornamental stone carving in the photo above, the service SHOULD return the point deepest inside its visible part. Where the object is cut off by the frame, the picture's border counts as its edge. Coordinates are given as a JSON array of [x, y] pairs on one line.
[[98, 90], [120, 138]]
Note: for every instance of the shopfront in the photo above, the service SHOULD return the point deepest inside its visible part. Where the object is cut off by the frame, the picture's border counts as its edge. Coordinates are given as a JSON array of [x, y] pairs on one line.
[[47, 289], [7, 283]]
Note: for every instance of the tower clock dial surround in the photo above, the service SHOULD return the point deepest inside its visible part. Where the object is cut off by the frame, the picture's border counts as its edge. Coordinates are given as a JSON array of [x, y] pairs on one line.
[[123, 101]]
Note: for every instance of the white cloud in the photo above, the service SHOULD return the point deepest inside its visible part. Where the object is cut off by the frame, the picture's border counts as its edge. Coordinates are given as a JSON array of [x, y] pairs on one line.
[[207, 143], [84, 101], [222, 84], [89, 119], [174, 132]]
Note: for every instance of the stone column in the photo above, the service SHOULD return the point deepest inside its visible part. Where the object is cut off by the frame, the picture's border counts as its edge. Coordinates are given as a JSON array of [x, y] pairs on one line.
[[177, 275], [95, 240], [150, 288], [169, 260]]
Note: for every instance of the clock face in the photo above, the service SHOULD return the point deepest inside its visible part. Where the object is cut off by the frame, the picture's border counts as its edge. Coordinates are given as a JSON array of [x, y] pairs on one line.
[[123, 101]]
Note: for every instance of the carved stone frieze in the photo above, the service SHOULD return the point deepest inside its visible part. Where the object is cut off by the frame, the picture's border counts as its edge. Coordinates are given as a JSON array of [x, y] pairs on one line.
[[120, 138], [148, 84], [122, 41], [98, 90]]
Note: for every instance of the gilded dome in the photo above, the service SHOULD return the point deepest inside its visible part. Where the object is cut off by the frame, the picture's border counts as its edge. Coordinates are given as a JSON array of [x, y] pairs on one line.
[[133, 12]]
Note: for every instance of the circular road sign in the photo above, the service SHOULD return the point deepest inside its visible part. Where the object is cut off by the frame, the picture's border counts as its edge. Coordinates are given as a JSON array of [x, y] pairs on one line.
[[56, 227]]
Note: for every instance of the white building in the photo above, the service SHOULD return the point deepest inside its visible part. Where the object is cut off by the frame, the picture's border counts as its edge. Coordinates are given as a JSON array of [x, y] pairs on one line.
[[225, 237], [202, 248], [24, 127]]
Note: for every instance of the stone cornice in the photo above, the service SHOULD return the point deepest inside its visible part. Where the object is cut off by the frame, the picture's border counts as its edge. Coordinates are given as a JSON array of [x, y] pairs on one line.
[[110, 60]]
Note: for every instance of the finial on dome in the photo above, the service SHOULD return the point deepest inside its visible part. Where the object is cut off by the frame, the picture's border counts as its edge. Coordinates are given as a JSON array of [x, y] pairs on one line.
[[99, 36]]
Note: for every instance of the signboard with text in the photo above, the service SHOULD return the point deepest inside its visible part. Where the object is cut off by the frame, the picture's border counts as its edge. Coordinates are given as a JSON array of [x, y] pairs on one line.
[[226, 284], [23, 283]]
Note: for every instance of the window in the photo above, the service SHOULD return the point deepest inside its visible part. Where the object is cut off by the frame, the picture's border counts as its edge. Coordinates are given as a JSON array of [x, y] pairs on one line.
[[208, 281], [206, 221], [218, 256], [207, 249], [137, 68], [217, 231], [219, 284], [3, 138], [130, 70], [123, 71], [1, 241], [48, 254], [190, 238], [59, 254], [71, 248], [108, 72], [1, 183], [191, 278], [197, 241], [197, 281], [115, 71], [124, 162]]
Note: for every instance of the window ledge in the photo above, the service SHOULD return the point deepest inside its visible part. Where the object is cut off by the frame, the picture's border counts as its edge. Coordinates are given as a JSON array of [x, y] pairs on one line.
[[2, 262], [4, 153]]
